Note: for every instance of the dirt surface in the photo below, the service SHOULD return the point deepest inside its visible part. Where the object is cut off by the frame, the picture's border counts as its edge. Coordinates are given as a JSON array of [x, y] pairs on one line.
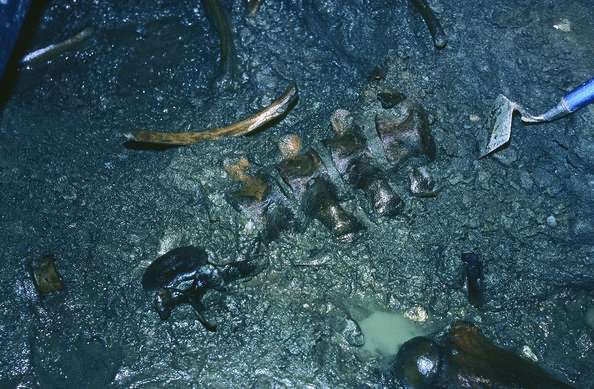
[[71, 188]]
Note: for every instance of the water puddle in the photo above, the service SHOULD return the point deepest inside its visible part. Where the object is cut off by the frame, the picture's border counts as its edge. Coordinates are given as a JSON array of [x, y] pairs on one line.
[[385, 332]]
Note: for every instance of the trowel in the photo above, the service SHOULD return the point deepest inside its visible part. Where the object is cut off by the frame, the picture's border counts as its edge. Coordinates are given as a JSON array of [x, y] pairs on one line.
[[504, 109]]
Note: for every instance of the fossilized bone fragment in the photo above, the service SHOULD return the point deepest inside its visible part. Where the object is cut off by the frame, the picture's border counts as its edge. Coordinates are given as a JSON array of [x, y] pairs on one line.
[[433, 25], [275, 110], [253, 186], [289, 146], [464, 358], [221, 22], [55, 49], [253, 6]]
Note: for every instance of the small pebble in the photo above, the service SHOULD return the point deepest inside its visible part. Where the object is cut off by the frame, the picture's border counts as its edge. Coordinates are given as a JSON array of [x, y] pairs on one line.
[[352, 334], [525, 180], [564, 25], [416, 313], [552, 221], [342, 121], [421, 183], [528, 353], [46, 277], [289, 146]]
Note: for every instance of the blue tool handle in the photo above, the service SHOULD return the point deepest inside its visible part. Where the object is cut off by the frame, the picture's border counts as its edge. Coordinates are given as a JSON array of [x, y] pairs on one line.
[[580, 96]]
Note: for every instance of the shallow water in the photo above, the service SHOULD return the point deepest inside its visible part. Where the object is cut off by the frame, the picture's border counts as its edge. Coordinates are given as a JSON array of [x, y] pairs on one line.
[[385, 332]]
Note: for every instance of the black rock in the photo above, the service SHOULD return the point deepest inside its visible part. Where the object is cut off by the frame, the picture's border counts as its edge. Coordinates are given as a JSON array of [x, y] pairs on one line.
[[390, 97], [418, 363], [473, 268], [46, 277], [175, 266]]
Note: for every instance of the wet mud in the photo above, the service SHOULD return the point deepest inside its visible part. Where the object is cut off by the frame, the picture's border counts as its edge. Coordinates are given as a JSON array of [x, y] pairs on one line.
[[106, 212]]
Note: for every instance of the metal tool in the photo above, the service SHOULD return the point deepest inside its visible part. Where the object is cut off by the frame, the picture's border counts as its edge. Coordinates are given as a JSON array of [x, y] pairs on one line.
[[504, 109]]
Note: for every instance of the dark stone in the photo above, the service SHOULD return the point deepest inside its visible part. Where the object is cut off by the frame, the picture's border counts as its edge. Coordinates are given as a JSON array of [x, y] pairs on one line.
[[473, 269], [277, 218], [418, 363], [303, 165], [363, 175], [421, 183], [377, 74], [384, 200], [174, 267], [344, 149], [46, 277], [389, 98]]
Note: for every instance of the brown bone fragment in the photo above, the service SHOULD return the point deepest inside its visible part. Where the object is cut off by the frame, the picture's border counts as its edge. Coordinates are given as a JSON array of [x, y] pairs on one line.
[[253, 6], [253, 186], [276, 109]]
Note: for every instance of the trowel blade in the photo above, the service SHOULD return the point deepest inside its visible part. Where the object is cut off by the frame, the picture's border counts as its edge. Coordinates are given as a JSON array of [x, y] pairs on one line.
[[502, 114]]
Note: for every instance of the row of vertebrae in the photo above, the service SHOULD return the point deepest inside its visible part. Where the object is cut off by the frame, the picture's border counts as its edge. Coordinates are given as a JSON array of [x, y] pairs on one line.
[[313, 183]]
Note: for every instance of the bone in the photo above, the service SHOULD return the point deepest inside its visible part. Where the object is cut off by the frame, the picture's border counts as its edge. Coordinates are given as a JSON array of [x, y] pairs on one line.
[[405, 132], [465, 358], [220, 20], [289, 146], [439, 37], [253, 186], [342, 121], [275, 110], [421, 183], [55, 49], [253, 6], [46, 277]]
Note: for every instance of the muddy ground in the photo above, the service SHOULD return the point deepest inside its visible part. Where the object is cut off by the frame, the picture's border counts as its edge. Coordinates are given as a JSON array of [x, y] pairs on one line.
[[71, 188]]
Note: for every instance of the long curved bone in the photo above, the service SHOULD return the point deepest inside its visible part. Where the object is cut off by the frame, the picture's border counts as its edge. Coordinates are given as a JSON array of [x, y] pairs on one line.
[[276, 109], [439, 37], [221, 22]]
